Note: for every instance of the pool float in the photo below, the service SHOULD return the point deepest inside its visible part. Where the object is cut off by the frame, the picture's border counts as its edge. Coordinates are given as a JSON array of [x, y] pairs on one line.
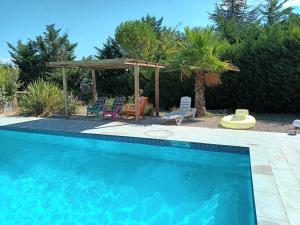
[[240, 120]]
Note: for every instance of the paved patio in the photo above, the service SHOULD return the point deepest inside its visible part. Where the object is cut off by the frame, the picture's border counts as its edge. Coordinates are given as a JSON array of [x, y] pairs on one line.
[[275, 157]]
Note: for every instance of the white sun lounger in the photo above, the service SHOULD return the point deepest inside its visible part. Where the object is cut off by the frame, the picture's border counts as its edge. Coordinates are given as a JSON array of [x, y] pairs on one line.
[[184, 111]]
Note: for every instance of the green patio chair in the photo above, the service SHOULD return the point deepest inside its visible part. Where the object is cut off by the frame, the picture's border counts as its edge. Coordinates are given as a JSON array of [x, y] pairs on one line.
[[97, 108]]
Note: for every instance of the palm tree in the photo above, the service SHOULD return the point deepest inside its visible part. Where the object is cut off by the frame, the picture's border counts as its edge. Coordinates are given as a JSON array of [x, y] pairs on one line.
[[198, 54]]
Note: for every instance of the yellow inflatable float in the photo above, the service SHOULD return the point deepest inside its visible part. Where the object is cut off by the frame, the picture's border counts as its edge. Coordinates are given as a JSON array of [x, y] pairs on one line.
[[240, 120]]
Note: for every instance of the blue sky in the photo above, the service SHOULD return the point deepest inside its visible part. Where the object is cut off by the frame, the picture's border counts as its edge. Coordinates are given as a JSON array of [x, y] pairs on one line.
[[90, 22]]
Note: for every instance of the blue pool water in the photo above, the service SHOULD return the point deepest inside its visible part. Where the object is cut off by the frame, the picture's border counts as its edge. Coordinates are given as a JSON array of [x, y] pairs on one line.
[[49, 179]]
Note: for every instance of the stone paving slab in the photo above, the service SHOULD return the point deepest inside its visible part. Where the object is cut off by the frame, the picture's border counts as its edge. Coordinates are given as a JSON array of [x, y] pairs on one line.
[[275, 157]]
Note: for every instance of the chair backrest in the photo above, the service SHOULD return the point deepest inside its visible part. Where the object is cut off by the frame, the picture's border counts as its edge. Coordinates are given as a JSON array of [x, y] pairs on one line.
[[118, 103], [185, 103], [143, 103], [100, 102]]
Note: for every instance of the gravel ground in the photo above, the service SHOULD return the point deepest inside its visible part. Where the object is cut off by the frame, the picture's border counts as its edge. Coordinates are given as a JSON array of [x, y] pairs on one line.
[[264, 122]]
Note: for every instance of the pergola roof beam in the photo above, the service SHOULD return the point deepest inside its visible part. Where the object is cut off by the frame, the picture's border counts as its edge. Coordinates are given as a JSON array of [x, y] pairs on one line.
[[118, 63]]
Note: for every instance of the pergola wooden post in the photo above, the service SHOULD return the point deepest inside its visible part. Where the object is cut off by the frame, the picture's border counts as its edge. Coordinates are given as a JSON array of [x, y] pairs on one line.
[[137, 91], [65, 89], [94, 88], [118, 63], [157, 91]]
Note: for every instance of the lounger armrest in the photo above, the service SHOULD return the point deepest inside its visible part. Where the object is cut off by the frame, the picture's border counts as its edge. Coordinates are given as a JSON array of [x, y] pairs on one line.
[[172, 115], [193, 112]]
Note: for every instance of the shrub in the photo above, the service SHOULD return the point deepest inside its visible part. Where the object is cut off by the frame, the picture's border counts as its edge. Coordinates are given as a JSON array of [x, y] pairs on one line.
[[109, 102], [9, 82], [149, 110], [269, 80], [73, 105], [41, 98], [2, 101]]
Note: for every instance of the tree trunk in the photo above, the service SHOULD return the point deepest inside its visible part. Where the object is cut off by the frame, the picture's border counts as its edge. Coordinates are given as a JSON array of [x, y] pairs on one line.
[[199, 94]]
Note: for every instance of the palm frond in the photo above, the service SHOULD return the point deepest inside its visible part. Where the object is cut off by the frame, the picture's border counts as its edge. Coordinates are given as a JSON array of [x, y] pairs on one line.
[[200, 50]]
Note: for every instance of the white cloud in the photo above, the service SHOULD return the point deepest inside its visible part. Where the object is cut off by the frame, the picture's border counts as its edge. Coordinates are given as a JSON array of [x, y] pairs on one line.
[[5, 60], [292, 3]]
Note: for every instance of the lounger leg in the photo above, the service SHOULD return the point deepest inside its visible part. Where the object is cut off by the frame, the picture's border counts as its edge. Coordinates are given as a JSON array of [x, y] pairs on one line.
[[193, 113], [178, 120]]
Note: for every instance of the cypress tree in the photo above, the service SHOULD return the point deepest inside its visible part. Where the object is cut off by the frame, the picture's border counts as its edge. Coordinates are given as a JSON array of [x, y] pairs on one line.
[[31, 57], [236, 10], [231, 17], [273, 11]]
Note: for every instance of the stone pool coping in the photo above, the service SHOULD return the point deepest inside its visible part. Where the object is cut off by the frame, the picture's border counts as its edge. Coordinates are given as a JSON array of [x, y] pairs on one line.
[[275, 157]]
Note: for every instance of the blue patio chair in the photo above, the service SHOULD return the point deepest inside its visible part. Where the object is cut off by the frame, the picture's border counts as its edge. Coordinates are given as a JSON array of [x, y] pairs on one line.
[[97, 108]]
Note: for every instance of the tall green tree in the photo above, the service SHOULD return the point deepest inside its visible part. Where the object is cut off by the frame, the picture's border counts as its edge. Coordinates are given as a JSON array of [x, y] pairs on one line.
[[199, 55], [274, 11], [231, 18], [31, 57], [54, 46], [237, 10], [166, 37], [114, 81], [110, 50], [155, 23], [25, 56], [147, 39], [137, 39]]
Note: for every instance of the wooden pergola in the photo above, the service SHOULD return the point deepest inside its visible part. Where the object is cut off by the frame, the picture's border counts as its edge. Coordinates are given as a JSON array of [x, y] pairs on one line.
[[104, 64]]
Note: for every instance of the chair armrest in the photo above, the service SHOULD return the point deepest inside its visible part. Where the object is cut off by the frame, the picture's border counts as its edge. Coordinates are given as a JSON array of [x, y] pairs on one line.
[[90, 108], [129, 107]]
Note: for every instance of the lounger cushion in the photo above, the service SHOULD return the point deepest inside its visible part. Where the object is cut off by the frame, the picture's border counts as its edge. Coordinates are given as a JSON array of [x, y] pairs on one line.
[[171, 117]]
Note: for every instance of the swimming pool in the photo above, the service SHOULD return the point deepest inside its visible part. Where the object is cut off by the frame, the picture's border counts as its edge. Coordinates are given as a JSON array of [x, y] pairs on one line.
[[57, 179]]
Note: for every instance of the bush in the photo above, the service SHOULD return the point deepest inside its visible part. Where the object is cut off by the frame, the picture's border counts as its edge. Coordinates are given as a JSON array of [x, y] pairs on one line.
[[73, 104], [9, 82], [109, 102], [149, 110], [269, 80], [41, 98], [172, 88]]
